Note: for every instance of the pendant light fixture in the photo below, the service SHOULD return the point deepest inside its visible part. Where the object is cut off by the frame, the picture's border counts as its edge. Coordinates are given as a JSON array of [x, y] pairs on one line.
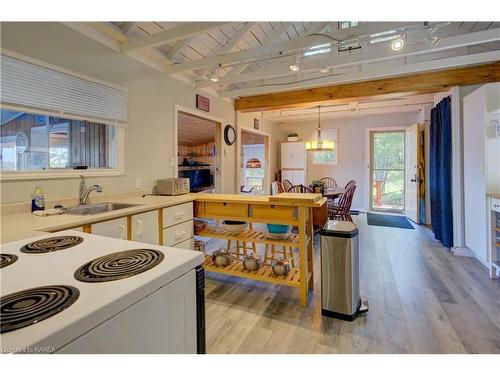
[[319, 144]]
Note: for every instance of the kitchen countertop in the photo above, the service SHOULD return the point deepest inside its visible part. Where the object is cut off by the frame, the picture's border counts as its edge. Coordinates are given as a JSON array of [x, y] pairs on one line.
[[493, 195], [23, 225], [19, 226]]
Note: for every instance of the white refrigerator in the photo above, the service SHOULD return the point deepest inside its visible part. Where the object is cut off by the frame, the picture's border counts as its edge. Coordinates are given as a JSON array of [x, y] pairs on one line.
[[294, 163]]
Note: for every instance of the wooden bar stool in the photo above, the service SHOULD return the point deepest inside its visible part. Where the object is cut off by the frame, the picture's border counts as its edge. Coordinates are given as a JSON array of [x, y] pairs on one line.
[[286, 252], [242, 247]]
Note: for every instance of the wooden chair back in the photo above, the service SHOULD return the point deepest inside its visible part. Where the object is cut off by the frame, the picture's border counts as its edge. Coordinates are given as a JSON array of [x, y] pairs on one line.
[[349, 184], [287, 185], [329, 182], [277, 187], [299, 189], [345, 201]]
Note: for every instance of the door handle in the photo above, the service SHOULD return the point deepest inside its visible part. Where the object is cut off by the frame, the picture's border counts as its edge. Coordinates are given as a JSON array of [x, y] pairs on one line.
[[179, 215], [122, 232], [139, 228]]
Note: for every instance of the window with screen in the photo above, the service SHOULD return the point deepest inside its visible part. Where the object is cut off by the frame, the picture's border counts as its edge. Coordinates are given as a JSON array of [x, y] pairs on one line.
[[328, 157]]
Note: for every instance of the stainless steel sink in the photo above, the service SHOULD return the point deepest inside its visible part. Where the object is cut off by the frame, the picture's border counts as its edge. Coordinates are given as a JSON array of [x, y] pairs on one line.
[[98, 208]]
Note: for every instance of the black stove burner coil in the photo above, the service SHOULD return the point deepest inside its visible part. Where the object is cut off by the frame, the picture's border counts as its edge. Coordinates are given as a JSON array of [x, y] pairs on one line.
[[119, 265], [24, 308], [7, 259], [48, 245]]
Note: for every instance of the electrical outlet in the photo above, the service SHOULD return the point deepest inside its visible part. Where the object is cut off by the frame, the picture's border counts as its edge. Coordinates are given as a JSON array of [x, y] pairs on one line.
[[138, 183]]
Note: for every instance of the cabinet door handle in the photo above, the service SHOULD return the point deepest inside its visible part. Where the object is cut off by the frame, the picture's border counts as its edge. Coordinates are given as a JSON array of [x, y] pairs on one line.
[[122, 232], [179, 215], [139, 228], [179, 235]]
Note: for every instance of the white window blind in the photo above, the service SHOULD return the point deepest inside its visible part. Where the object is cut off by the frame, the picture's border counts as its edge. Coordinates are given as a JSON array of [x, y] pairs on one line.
[[29, 85]]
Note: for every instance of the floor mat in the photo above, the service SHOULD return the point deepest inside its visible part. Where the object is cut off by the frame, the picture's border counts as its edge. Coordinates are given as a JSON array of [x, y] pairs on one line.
[[388, 221]]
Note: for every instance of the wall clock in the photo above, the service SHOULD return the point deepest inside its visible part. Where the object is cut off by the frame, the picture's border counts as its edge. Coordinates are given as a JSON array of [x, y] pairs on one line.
[[229, 135]]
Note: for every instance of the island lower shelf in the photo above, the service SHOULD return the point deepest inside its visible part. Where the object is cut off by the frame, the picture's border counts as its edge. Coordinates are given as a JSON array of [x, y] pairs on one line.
[[251, 236], [265, 273]]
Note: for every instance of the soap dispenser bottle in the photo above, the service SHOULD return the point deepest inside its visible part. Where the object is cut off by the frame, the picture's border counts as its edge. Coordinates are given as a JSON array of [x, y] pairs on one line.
[[37, 199]]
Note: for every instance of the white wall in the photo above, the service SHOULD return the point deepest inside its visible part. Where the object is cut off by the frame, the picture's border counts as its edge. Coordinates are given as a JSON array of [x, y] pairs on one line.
[[352, 138], [149, 137]]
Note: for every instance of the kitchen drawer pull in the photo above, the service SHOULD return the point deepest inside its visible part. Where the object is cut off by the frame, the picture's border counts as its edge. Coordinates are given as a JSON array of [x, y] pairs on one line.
[[180, 235], [179, 215]]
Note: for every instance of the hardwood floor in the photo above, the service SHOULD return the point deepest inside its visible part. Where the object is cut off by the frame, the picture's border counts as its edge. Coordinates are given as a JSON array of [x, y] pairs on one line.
[[422, 300]]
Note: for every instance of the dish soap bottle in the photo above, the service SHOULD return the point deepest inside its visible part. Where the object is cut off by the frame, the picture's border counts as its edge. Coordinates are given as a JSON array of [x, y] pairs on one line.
[[37, 199]]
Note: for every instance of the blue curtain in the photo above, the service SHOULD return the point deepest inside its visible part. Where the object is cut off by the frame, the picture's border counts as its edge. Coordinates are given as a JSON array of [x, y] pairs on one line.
[[440, 172]]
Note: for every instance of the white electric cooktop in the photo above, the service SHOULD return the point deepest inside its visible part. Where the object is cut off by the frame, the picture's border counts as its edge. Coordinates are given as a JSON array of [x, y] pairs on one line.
[[82, 301]]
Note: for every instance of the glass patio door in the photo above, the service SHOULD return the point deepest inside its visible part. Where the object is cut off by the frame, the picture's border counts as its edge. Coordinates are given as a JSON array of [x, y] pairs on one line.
[[387, 170]]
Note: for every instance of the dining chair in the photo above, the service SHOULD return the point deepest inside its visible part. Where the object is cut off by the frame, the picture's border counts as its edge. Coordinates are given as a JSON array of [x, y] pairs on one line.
[[299, 189], [287, 184], [329, 182], [277, 187], [343, 209], [349, 184]]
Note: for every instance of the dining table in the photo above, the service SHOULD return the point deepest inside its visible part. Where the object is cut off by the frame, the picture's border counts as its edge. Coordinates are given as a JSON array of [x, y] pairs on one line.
[[333, 193]]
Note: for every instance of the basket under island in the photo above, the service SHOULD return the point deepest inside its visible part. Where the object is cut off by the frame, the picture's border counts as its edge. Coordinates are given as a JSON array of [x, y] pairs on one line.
[[286, 208]]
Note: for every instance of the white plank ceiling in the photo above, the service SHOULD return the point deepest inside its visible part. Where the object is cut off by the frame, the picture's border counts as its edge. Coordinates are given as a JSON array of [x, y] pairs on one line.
[[235, 59]]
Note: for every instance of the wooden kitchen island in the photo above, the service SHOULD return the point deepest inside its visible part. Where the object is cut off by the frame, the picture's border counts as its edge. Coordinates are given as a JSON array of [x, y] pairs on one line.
[[287, 208]]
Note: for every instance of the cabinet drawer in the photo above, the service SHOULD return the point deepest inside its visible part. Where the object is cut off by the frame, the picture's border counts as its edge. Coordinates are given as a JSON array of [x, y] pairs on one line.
[[177, 214], [273, 212], [188, 244], [495, 204], [177, 233], [224, 209]]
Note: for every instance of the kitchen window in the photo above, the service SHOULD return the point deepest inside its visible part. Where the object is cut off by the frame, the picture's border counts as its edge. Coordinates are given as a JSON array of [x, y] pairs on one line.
[[37, 142], [55, 123]]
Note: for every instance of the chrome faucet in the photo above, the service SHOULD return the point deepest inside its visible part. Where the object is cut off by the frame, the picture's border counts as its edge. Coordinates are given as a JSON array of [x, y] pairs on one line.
[[83, 193]]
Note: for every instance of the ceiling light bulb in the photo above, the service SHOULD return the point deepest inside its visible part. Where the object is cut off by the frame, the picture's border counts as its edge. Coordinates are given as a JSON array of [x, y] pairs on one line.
[[294, 68], [324, 69], [397, 44], [434, 40], [214, 78]]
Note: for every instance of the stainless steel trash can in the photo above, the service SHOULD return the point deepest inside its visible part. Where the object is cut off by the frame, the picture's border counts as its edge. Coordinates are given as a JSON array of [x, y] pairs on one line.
[[340, 271]]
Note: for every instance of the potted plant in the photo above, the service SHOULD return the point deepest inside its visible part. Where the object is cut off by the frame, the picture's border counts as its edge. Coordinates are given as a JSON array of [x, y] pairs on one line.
[[292, 137], [318, 186]]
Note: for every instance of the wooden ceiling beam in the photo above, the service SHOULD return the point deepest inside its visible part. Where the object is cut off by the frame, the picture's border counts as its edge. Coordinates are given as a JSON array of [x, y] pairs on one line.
[[422, 83]]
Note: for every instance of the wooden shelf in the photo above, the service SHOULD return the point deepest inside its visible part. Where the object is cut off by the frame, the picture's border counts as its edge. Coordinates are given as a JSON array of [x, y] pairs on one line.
[[250, 236], [265, 273]]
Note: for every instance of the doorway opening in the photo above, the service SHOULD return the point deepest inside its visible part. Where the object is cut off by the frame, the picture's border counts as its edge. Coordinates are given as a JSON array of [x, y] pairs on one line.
[[199, 152], [387, 170], [254, 156]]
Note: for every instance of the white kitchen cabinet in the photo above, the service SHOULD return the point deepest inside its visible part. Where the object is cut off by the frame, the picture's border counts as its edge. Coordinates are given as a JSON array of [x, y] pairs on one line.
[[296, 177], [178, 233], [293, 155], [145, 227], [116, 228], [188, 244], [177, 214]]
